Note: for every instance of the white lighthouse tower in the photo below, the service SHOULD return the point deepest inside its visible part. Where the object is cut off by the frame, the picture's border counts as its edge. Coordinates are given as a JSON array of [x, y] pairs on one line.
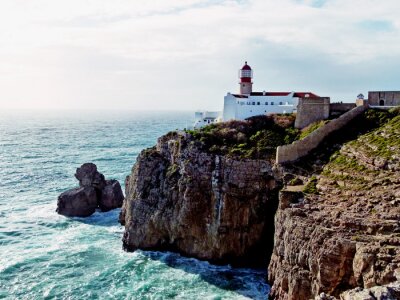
[[246, 76]]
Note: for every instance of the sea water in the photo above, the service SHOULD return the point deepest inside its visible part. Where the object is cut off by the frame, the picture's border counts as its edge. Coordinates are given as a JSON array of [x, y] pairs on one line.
[[47, 256]]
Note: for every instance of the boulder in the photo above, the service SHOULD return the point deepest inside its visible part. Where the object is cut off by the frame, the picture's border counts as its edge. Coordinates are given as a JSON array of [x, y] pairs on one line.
[[88, 175], [93, 192], [111, 196], [78, 202]]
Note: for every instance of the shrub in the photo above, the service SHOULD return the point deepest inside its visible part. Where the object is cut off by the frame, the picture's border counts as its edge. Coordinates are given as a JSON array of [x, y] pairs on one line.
[[311, 186]]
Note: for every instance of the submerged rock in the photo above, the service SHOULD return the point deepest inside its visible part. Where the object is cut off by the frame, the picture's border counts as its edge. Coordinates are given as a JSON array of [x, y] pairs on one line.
[[94, 192], [78, 202], [111, 196]]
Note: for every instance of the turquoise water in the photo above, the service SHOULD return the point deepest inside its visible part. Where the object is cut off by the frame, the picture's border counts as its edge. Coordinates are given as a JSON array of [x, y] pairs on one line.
[[47, 256]]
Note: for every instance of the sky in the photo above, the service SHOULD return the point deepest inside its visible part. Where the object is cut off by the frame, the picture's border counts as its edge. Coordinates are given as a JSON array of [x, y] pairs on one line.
[[185, 54]]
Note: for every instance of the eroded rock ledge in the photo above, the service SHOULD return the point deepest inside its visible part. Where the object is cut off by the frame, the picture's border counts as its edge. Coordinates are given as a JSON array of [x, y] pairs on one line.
[[207, 206]]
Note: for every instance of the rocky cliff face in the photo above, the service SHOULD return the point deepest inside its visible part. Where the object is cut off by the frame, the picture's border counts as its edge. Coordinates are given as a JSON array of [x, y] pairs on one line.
[[339, 232], [346, 232], [181, 198]]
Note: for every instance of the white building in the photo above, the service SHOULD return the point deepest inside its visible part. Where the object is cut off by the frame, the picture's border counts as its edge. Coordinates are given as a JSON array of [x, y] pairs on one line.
[[202, 118], [247, 103]]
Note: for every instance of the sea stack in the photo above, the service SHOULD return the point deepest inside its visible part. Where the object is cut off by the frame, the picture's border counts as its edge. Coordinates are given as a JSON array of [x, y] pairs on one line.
[[94, 192]]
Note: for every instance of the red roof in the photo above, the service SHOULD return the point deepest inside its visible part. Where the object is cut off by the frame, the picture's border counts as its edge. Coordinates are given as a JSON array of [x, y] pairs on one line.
[[303, 95], [246, 66], [277, 94], [270, 94]]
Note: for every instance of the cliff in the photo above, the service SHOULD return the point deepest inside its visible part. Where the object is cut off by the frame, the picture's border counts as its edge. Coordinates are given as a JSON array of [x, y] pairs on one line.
[[346, 232], [207, 206], [213, 194], [204, 194]]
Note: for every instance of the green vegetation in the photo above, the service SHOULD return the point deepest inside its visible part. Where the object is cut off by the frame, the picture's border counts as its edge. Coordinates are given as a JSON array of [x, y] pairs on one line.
[[256, 137], [311, 128], [295, 181], [383, 142], [311, 186], [345, 163]]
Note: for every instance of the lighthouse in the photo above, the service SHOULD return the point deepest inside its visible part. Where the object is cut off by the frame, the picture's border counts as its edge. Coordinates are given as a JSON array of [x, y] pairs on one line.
[[247, 104], [245, 79]]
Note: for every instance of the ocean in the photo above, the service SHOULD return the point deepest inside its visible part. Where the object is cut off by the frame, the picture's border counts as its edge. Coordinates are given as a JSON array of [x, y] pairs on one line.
[[47, 256]]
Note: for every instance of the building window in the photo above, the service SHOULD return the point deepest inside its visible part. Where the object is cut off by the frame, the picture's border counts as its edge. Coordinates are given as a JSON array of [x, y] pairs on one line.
[[266, 103], [258, 103], [272, 103], [280, 103], [254, 103]]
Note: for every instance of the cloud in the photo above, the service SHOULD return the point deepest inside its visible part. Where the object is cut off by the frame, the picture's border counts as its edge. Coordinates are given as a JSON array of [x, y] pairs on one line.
[[184, 54], [376, 25]]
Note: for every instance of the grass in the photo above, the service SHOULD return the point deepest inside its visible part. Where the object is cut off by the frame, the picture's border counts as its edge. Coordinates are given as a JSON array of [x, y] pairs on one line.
[[383, 142]]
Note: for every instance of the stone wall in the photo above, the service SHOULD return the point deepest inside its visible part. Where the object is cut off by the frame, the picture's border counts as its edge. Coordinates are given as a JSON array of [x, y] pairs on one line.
[[294, 151], [384, 98], [311, 110], [337, 109]]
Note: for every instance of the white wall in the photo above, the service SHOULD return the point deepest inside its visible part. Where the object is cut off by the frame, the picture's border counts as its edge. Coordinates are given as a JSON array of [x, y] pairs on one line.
[[242, 108], [229, 108]]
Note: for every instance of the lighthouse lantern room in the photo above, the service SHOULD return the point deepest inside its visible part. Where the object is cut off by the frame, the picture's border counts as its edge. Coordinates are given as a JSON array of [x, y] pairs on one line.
[[246, 76]]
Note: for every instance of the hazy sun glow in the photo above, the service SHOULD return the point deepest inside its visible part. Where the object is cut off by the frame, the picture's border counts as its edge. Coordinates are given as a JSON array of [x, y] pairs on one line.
[[184, 54]]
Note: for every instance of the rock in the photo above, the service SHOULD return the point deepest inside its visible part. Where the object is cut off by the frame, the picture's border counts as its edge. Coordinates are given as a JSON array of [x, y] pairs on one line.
[[78, 202], [88, 175], [94, 192], [111, 196], [211, 207], [387, 292], [346, 237]]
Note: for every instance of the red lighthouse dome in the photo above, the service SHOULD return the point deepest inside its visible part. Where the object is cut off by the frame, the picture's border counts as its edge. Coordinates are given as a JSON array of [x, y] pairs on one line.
[[245, 76], [246, 66]]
